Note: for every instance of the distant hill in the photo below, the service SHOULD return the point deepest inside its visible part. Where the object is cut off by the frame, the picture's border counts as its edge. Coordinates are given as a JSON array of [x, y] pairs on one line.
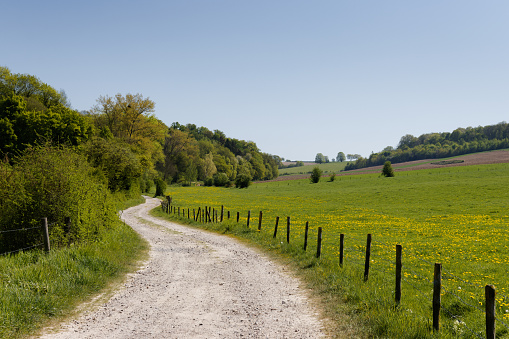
[[440, 145]]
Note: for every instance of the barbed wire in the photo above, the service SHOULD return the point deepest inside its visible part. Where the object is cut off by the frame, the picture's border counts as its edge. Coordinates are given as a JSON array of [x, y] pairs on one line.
[[416, 288], [462, 280], [462, 322], [416, 274], [463, 301], [21, 249], [21, 229], [502, 322]]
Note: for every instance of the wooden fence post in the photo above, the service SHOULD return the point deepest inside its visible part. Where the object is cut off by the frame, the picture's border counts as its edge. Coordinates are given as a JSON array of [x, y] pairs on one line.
[[341, 248], [248, 217], [319, 244], [238, 216], [45, 234], [260, 221], [437, 287], [288, 230], [188, 214], [222, 212], [368, 257], [228, 215], [397, 293], [179, 212], [490, 311], [275, 227], [306, 232], [194, 214]]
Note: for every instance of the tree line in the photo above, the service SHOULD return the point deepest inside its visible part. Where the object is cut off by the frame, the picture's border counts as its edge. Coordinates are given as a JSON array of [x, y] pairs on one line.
[[56, 162], [440, 145]]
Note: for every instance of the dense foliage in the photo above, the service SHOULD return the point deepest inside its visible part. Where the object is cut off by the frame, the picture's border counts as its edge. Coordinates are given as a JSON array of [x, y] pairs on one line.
[[196, 153], [55, 184], [440, 145], [58, 162], [32, 112]]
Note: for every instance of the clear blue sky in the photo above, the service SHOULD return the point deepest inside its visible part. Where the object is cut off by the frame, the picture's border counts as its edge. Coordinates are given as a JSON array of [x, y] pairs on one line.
[[296, 77]]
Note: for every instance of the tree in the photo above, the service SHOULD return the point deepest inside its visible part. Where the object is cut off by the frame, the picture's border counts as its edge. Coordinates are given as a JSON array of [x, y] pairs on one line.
[[320, 158], [315, 175], [340, 157], [387, 171]]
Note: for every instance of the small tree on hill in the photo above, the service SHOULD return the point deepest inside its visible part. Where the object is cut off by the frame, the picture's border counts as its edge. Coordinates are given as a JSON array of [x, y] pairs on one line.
[[387, 171], [315, 175]]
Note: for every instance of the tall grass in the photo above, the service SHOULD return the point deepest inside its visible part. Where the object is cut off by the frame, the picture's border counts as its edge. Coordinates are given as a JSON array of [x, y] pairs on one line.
[[455, 216], [36, 287]]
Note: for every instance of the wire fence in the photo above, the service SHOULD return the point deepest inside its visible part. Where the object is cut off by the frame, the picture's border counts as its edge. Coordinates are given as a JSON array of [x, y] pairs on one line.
[[44, 241], [379, 256]]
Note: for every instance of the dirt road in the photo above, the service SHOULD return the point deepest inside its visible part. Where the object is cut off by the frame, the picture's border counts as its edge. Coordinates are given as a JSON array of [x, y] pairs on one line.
[[198, 285]]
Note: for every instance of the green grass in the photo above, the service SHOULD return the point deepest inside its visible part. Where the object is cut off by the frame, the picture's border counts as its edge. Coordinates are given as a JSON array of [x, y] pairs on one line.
[[36, 288], [327, 168], [456, 216]]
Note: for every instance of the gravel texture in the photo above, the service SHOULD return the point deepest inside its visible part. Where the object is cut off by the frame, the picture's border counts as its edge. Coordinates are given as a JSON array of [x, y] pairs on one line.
[[197, 284]]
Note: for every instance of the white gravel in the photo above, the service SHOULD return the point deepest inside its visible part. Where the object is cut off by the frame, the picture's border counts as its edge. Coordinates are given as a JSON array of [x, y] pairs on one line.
[[198, 284]]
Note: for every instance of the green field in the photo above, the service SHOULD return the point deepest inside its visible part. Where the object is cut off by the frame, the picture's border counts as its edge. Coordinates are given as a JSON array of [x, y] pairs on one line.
[[327, 168], [455, 216]]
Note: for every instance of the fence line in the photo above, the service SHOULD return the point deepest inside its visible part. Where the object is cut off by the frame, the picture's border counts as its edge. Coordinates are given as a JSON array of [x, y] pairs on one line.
[[45, 236], [368, 249]]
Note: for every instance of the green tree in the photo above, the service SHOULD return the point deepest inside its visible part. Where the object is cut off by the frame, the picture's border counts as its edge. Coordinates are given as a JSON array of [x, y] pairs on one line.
[[340, 157], [119, 164], [387, 171], [320, 158], [160, 187], [315, 175]]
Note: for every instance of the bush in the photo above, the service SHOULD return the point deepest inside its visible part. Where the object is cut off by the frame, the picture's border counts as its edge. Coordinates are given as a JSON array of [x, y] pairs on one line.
[[221, 179], [208, 182], [52, 183], [242, 181], [160, 187], [387, 171], [332, 177], [315, 175]]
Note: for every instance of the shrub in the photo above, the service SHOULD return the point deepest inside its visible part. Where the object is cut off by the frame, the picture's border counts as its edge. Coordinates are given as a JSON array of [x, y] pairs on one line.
[[332, 177], [242, 181], [221, 179], [52, 183], [387, 171], [208, 182], [315, 175], [160, 187]]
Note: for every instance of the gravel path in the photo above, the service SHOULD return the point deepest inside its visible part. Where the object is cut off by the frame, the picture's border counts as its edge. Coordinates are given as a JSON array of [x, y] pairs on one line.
[[198, 284]]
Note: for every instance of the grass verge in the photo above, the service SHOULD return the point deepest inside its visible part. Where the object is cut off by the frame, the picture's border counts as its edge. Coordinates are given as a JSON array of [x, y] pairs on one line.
[[36, 288]]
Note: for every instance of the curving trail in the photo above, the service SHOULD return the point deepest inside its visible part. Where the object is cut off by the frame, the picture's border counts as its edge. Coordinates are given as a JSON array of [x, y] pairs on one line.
[[198, 284]]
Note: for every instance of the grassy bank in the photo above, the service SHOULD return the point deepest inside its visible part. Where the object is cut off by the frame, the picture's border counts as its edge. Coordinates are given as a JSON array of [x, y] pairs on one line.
[[36, 288], [453, 216]]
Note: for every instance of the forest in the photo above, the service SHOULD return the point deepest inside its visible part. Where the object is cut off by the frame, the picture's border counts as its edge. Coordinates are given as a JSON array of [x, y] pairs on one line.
[[440, 145]]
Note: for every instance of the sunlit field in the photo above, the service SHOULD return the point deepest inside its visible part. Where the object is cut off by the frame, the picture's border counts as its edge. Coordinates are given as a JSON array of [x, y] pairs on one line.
[[327, 168], [455, 216]]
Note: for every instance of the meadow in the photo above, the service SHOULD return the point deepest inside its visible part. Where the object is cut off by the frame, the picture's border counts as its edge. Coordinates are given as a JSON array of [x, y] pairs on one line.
[[327, 168], [455, 216]]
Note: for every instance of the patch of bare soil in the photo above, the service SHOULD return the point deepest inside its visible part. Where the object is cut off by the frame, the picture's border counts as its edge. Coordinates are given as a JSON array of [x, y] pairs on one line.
[[198, 284]]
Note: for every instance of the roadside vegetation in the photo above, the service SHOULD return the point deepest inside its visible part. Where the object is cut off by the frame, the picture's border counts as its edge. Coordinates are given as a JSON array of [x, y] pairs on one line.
[[453, 216]]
